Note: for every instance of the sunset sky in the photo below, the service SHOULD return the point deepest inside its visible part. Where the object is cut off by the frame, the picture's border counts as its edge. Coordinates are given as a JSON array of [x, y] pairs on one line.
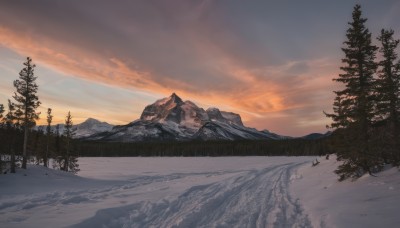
[[270, 61]]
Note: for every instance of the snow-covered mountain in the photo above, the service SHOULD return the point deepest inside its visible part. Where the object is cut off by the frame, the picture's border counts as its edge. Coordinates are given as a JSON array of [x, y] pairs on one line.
[[85, 129], [171, 118], [91, 126]]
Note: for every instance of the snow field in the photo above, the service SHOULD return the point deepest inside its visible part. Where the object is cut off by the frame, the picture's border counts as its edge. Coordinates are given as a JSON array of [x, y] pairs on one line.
[[155, 192], [198, 192]]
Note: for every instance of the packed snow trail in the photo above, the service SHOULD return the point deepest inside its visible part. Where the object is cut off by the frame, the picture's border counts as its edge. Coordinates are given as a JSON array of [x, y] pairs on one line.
[[156, 192], [256, 198]]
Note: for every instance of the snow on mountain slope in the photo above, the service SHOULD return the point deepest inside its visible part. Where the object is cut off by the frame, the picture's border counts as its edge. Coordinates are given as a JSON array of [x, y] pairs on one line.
[[142, 131], [215, 130], [233, 118], [193, 117], [91, 126]]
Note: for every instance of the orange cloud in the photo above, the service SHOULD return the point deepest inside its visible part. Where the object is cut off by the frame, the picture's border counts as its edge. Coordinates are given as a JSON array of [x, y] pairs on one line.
[[113, 71], [259, 93]]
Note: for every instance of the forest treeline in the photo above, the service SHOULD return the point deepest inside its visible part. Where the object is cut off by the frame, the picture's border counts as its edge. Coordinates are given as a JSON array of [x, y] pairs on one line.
[[286, 147]]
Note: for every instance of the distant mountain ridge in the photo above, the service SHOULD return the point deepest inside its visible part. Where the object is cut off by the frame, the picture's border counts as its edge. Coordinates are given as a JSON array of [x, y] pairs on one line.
[[85, 129], [172, 119]]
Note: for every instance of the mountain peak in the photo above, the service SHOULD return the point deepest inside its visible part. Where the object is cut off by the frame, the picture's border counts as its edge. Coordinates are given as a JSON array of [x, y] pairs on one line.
[[176, 98], [161, 109], [91, 120]]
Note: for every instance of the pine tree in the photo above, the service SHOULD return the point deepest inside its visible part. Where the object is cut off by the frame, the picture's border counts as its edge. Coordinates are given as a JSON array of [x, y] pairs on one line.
[[69, 161], [388, 91], [48, 135], [27, 101], [354, 105]]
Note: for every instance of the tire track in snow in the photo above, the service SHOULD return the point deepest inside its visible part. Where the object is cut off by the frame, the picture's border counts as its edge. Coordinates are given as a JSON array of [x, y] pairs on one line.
[[255, 198], [117, 189]]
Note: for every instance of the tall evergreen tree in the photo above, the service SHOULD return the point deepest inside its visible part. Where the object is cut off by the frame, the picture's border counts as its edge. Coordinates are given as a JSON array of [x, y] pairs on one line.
[[27, 101], [70, 161], [388, 92], [354, 105], [48, 135]]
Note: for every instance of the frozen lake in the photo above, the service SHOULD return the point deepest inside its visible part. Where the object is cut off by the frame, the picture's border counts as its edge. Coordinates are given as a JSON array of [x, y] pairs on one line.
[[156, 192]]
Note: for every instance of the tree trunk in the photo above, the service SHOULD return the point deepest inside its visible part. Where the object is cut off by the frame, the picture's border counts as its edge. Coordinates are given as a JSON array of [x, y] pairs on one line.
[[24, 157], [45, 160], [66, 164], [66, 157]]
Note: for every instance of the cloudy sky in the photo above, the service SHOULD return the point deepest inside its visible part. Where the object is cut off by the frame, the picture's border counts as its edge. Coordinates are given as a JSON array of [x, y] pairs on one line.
[[270, 61]]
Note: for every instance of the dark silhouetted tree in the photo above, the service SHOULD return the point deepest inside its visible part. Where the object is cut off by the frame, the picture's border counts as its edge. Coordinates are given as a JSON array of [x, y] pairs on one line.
[[48, 137], [27, 101], [70, 162], [354, 105], [388, 92]]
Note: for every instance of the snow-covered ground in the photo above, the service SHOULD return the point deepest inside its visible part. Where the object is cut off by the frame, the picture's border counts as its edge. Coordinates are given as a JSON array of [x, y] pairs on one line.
[[198, 192], [367, 202]]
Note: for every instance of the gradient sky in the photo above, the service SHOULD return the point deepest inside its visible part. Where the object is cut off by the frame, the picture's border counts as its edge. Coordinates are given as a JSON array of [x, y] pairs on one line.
[[270, 61]]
